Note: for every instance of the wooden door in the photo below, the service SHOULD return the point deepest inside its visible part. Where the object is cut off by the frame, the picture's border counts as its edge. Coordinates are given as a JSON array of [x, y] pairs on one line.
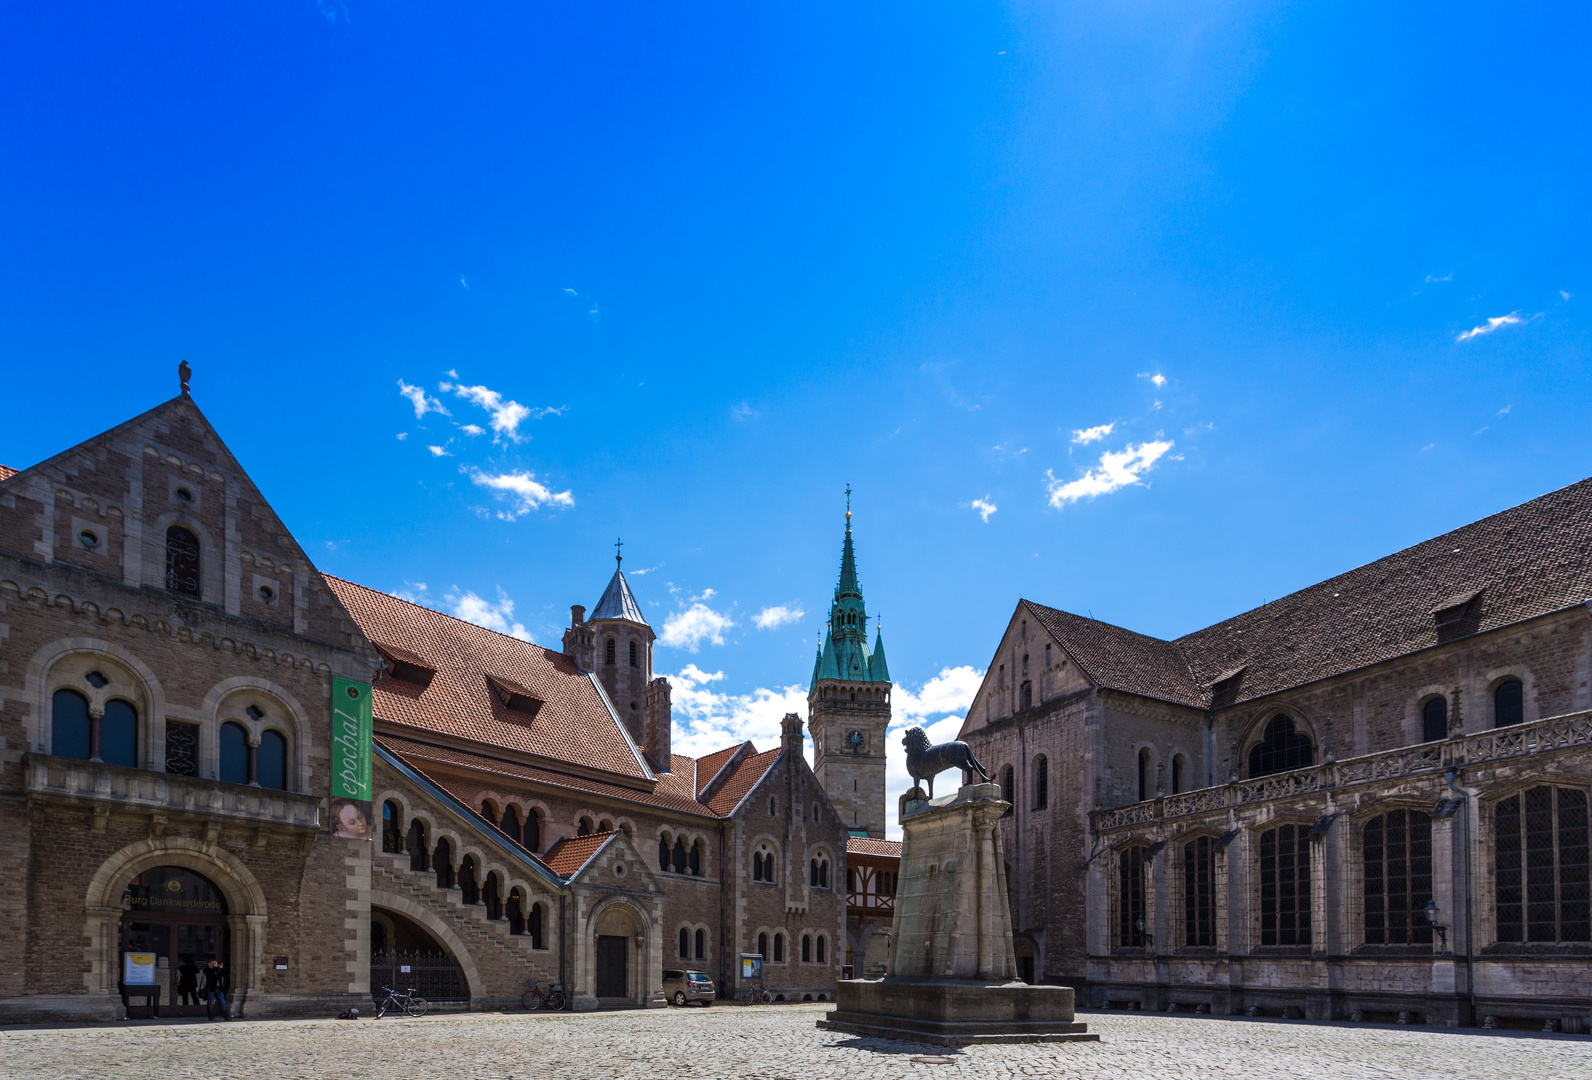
[[612, 957]]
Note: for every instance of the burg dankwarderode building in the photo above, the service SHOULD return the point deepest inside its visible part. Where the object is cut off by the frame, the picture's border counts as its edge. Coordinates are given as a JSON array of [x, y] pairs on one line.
[[1366, 800]]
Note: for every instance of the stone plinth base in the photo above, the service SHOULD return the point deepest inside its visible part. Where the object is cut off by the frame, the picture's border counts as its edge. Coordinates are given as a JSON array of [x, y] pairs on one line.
[[955, 1012]]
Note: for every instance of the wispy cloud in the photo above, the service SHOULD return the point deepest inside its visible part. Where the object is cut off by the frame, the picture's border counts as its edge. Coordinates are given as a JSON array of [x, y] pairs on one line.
[[743, 411], [708, 719], [689, 627], [1085, 436], [439, 451], [1514, 318], [983, 507], [1432, 279], [521, 490], [422, 401], [1117, 470], [402, 435], [778, 615], [471, 608], [1566, 295], [507, 415], [1505, 410], [1155, 377], [472, 429], [415, 592]]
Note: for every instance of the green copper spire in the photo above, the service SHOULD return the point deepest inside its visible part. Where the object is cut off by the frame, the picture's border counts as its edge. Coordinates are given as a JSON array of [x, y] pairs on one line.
[[878, 670], [845, 654]]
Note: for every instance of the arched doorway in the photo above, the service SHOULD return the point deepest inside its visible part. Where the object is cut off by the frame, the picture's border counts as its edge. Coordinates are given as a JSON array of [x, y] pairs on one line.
[[174, 922], [619, 955], [405, 955]]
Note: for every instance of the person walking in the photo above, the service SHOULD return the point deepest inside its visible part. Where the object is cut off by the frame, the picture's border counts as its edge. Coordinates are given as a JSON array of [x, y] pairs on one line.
[[215, 990], [188, 981]]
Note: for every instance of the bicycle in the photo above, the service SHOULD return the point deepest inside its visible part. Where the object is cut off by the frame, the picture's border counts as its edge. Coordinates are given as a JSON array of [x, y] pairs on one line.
[[536, 997], [406, 1002], [755, 995]]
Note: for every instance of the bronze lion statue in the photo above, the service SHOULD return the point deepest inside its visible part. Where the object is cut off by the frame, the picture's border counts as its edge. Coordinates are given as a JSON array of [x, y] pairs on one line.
[[924, 761]]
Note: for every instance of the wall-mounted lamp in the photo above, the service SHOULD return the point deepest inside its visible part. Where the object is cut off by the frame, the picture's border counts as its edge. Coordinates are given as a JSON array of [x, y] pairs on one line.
[[1431, 917]]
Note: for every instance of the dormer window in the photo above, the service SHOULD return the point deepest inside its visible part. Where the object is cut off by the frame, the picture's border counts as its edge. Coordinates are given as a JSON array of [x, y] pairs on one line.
[[405, 667], [514, 698], [1455, 610]]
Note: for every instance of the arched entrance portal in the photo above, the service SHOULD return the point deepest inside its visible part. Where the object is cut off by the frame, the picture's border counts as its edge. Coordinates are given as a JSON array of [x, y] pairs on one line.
[[174, 922], [405, 955], [619, 955]]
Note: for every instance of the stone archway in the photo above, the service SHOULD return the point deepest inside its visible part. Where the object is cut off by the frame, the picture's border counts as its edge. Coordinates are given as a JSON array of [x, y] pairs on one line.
[[102, 909], [438, 929], [617, 958]]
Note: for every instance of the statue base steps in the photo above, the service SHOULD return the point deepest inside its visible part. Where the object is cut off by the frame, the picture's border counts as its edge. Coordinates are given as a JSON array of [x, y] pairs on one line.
[[955, 1012]]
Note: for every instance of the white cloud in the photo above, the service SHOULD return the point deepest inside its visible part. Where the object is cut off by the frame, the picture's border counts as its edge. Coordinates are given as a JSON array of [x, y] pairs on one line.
[[779, 615], [475, 609], [422, 401], [689, 627], [1432, 279], [524, 491], [402, 435], [1093, 434], [1505, 410], [1494, 324], [1155, 377], [1566, 295], [1117, 469], [742, 411], [984, 507], [506, 415], [413, 591], [472, 429], [706, 720], [939, 707], [439, 451]]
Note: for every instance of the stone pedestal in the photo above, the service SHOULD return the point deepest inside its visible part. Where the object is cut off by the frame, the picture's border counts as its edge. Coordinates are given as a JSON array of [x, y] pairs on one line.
[[953, 977]]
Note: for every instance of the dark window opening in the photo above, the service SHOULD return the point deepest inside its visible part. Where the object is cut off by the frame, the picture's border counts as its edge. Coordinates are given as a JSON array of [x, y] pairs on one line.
[[685, 944], [515, 698], [1434, 720], [392, 829], [535, 927], [419, 852], [694, 863], [516, 913], [1509, 703], [510, 825], [1009, 789], [271, 761], [182, 561], [1146, 774], [1285, 886], [1130, 898], [635, 654], [1179, 773], [807, 948], [779, 948], [532, 838], [1041, 782], [1281, 748], [442, 859], [70, 734], [1025, 694], [679, 859], [1398, 878], [762, 944], [1541, 866], [1199, 893], [608, 651], [663, 853], [489, 897], [234, 754], [118, 735], [467, 883], [823, 947], [701, 944]]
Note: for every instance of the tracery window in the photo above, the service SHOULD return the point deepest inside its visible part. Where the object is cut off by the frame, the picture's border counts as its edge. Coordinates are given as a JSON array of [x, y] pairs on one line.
[[1130, 897], [1540, 866], [1398, 878], [1509, 703], [182, 561], [1285, 886], [1281, 748], [1199, 893], [1434, 720]]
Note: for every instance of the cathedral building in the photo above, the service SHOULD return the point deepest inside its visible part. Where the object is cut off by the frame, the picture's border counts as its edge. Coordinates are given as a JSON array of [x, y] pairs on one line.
[[211, 750], [1366, 800]]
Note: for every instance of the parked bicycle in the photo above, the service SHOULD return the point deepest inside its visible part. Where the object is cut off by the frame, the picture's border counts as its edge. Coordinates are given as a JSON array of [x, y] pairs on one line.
[[754, 994], [536, 997], [406, 1002]]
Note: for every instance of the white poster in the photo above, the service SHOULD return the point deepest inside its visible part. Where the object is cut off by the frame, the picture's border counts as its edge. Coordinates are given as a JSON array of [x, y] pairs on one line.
[[138, 968]]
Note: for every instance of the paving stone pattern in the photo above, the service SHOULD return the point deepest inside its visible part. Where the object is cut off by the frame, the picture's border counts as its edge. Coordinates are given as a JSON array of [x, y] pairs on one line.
[[766, 1042]]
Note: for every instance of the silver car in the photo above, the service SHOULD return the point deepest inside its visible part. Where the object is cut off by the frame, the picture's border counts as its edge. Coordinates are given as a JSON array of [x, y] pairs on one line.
[[680, 987]]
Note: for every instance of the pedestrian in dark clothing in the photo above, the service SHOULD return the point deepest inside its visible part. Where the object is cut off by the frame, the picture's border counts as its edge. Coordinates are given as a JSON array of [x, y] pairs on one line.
[[188, 981], [215, 990]]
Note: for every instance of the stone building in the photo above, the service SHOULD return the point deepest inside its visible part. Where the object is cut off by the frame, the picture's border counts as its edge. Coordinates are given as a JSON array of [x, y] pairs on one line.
[[167, 663], [1367, 799]]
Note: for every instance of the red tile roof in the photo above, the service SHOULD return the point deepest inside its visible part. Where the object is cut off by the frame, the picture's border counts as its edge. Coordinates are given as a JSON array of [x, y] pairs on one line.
[[1524, 562], [566, 857], [7, 472], [573, 725], [670, 793], [864, 845], [746, 776], [709, 766]]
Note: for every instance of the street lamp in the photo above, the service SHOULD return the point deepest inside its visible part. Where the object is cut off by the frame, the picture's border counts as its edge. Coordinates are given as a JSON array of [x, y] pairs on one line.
[[1431, 918], [1148, 939]]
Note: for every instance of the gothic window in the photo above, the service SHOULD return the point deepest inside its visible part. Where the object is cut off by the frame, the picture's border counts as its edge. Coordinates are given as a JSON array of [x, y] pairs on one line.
[[69, 725], [1509, 703], [701, 944], [694, 860], [608, 651], [823, 948], [271, 761], [118, 735], [1434, 720], [234, 754], [535, 927], [419, 851], [779, 948], [762, 945], [663, 853], [1041, 785], [1285, 886], [392, 832], [1398, 878], [1025, 694], [1199, 892], [635, 654], [510, 824], [807, 948], [182, 561], [182, 748], [1281, 748], [1179, 773], [685, 944], [1146, 774], [531, 838], [1541, 866], [1130, 897], [679, 856], [1009, 789]]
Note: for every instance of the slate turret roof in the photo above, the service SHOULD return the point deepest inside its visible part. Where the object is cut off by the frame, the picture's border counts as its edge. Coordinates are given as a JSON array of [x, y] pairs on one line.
[[618, 601]]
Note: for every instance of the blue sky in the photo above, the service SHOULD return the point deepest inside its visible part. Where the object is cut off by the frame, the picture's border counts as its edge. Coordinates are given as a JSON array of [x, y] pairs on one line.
[[1147, 310]]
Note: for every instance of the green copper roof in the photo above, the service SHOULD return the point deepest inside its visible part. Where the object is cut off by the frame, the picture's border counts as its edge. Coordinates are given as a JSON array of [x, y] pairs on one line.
[[845, 655], [878, 670]]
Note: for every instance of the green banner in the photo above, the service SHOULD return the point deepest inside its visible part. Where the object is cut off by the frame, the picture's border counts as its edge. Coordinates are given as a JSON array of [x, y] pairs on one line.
[[350, 740]]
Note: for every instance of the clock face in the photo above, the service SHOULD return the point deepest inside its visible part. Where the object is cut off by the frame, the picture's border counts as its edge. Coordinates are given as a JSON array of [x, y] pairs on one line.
[[854, 740]]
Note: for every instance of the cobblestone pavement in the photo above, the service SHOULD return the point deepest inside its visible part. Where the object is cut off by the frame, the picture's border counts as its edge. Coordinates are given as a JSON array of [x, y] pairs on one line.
[[767, 1043]]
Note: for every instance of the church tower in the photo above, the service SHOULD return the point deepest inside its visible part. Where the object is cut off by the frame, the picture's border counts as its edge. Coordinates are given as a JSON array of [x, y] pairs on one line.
[[848, 705]]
